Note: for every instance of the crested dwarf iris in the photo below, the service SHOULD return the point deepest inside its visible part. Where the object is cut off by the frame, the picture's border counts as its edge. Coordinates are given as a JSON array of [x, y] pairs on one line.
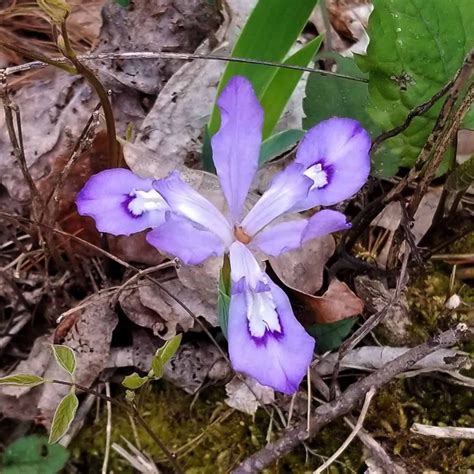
[[332, 163]]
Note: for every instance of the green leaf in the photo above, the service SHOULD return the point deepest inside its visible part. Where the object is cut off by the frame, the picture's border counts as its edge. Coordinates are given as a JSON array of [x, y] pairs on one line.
[[164, 354], [65, 357], [468, 122], [123, 3], [416, 47], [268, 35], [134, 381], [330, 336], [223, 297], [278, 144], [327, 96], [25, 380], [33, 455], [284, 82], [63, 416]]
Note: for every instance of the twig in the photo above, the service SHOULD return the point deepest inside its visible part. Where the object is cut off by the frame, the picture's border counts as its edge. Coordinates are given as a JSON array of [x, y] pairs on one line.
[[79, 147], [108, 431], [417, 111], [454, 432], [370, 324], [148, 277], [328, 412], [183, 56], [360, 421], [376, 450]]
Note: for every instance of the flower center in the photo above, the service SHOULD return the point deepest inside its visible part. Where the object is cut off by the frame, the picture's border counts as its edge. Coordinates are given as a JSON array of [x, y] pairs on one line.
[[144, 201], [241, 235], [318, 175]]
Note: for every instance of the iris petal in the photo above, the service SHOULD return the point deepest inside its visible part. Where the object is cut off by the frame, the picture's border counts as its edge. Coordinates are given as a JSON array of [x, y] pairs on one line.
[[185, 240], [109, 198], [184, 200], [289, 187], [236, 146], [286, 236], [335, 154], [266, 341]]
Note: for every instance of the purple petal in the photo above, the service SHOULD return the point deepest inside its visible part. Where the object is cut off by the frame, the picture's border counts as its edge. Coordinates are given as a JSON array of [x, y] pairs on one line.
[[288, 187], [236, 146], [278, 359], [181, 238], [323, 223], [290, 235], [244, 265], [184, 200], [335, 154], [120, 202]]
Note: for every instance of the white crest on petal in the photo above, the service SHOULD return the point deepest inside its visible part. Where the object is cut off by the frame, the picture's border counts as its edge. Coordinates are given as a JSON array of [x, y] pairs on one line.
[[318, 175], [261, 309], [145, 201], [261, 313]]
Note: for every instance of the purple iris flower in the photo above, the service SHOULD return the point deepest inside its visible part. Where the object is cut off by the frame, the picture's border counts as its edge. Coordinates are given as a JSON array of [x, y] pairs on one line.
[[332, 163]]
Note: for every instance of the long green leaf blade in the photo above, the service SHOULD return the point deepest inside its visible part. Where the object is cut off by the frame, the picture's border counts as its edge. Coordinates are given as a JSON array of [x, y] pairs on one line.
[[268, 35], [284, 82]]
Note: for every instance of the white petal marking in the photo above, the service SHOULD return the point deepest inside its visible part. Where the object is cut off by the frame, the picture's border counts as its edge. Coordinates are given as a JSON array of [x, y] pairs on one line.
[[318, 175], [145, 201]]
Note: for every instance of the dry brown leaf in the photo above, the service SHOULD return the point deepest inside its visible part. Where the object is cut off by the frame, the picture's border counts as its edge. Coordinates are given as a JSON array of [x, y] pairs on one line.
[[89, 337], [302, 269], [395, 328], [148, 307], [391, 216], [56, 106], [338, 302], [248, 396]]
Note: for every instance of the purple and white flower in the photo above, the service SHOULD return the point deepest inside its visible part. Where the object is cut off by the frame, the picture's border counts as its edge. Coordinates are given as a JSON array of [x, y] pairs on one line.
[[332, 163]]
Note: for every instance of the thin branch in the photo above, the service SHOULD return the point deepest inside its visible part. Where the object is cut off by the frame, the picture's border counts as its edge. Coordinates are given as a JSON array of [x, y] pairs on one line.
[[452, 432], [416, 112], [183, 56], [370, 324], [328, 412], [108, 431], [360, 422]]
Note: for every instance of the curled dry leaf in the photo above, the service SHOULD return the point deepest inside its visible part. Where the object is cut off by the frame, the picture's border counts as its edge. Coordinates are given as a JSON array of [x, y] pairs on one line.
[[90, 337], [149, 307], [302, 270], [176, 121], [338, 302], [246, 395], [374, 357]]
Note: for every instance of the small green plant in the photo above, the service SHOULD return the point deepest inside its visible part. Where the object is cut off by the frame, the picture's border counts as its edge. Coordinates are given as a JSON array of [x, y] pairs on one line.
[[67, 407], [134, 381], [33, 455]]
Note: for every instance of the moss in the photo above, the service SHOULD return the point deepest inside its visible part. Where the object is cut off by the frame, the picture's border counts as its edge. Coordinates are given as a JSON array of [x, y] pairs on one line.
[[229, 437], [429, 401], [426, 297]]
